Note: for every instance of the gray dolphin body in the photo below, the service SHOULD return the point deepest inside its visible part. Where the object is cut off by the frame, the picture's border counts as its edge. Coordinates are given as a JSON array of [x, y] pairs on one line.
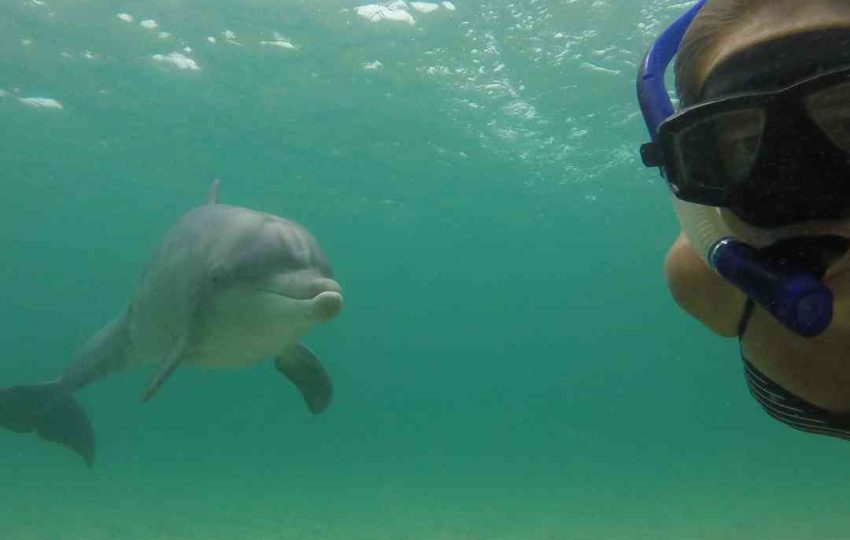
[[227, 287]]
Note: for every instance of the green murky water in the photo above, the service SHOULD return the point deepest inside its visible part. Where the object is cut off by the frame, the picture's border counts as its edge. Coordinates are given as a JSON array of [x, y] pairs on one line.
[[508, 364]]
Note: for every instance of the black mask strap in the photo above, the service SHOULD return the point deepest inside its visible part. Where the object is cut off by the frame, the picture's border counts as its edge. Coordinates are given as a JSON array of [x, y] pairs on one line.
[[775, 64]]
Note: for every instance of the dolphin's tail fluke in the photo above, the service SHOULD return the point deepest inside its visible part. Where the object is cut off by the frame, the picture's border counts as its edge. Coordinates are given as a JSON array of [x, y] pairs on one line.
[[51, 412]]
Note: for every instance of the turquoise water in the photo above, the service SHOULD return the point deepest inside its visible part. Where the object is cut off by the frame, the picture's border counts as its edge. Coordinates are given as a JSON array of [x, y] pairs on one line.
[[508, 364]]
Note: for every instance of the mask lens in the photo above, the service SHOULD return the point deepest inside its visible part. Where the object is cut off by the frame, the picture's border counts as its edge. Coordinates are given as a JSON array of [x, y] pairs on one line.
[[719, 151], [830, 109], [738, 137]]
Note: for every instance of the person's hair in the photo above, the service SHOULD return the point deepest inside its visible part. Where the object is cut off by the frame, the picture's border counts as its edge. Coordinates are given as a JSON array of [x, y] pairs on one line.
[[719, 19], [716, 20]]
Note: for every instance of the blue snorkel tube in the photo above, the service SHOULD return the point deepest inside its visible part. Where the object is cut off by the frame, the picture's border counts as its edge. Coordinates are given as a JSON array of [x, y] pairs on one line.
[[795, 298]]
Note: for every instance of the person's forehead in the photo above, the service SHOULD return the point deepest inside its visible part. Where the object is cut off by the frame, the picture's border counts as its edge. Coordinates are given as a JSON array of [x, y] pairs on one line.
[[778, 62]]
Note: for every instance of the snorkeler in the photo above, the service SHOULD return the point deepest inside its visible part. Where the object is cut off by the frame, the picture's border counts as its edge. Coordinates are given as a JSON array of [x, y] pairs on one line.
[[758, 159]]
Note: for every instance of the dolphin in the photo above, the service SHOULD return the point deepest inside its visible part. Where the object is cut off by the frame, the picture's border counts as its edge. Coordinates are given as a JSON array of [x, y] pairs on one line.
[[227, 287]]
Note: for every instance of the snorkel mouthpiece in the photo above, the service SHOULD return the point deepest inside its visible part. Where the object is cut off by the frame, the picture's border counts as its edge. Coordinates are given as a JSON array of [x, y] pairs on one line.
[[796, 298]]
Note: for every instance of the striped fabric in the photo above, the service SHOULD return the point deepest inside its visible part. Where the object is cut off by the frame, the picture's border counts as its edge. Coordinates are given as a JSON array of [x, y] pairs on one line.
[[812, 255], [793, 411]]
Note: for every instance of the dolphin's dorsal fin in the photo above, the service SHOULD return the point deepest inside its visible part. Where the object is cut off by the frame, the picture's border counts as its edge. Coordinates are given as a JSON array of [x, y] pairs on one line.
[[212, 195]]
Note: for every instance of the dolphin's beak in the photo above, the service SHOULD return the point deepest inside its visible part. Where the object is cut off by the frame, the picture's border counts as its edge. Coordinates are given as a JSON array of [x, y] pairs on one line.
[[327, 305]]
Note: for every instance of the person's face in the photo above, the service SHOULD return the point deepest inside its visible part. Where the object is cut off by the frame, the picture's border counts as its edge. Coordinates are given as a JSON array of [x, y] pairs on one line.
[[784, 59]]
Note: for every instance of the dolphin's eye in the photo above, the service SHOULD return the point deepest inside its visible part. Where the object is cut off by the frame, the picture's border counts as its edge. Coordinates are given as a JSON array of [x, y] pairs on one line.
[[216, 275]]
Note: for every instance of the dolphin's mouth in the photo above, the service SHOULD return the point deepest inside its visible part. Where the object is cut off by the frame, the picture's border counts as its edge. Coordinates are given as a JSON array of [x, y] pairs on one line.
[[322, 297], [298, 289]]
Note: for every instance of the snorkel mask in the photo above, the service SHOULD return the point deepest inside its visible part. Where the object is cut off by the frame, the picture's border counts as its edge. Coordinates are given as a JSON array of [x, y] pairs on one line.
[[685, 147]]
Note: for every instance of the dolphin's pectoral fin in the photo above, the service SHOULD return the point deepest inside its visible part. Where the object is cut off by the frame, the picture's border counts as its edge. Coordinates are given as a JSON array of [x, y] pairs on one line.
[[306, 372], [166, 368]]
